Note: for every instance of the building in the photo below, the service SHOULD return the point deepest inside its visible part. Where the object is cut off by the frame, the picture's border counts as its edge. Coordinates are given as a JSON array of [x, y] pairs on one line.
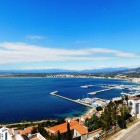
[[5, 134], [134, 103], [99, 103], [15, 134], [76, 129], [27, 130], [37, 136]]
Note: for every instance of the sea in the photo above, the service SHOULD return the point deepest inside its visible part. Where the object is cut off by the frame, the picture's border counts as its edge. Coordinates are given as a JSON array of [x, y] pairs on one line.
[[29, 99]]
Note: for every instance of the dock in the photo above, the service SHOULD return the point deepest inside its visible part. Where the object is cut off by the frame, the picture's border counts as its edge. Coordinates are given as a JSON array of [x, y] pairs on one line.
[[95, 92], [75, 101], [87, 86]]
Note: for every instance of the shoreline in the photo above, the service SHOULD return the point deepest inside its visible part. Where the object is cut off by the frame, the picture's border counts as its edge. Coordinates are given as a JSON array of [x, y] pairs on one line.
[[87, 112], [27, 122]]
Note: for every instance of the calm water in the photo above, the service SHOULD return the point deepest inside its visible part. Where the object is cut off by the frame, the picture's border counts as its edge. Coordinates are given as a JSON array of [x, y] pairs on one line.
[[29, 98]]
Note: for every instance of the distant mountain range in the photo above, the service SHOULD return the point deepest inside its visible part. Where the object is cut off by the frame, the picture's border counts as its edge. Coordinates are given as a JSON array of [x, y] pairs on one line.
[[135, 70], [102, 70]]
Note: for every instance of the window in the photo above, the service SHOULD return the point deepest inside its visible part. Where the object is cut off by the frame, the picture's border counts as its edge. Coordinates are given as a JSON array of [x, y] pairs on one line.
[[137, 108]]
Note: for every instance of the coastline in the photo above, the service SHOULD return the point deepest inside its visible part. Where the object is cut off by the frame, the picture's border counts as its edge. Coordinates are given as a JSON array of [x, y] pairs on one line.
[[86, 112]]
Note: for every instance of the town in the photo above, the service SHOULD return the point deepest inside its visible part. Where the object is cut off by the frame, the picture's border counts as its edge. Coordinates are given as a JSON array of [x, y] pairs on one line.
[[105, 117]]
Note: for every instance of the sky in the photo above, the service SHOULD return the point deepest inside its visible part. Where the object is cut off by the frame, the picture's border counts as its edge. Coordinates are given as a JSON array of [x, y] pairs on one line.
[[69, 34]]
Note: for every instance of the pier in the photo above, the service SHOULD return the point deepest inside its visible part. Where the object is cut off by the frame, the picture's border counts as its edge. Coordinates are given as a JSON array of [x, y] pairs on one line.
[[95, 92], [54, 93]]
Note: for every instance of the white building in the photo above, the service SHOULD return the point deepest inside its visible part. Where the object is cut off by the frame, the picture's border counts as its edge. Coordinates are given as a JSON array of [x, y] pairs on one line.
[[5, 134], [13, 134], [134, 103], [37, 136]]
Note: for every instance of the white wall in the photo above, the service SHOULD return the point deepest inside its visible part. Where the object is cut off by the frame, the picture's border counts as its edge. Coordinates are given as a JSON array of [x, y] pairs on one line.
[[135, 110], [3, 133], [76, 133]]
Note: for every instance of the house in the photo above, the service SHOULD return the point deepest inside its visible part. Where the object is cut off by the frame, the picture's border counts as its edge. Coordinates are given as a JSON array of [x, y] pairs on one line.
[[11, 134], [37, 136], [5, 134], [27, 130], [15, 134], [134, 103], [19, 137], [76, 129]]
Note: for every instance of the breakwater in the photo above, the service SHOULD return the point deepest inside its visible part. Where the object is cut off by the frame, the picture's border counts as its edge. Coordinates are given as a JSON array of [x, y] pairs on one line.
[[95, 92], [75, 101]]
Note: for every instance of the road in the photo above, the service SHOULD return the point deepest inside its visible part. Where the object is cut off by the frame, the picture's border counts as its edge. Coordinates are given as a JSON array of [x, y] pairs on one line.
[[131, 133]]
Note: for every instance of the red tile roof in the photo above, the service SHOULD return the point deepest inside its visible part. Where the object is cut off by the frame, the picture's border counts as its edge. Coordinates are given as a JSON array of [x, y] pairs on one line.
[[63, 128], [80, 129], [27, 130]]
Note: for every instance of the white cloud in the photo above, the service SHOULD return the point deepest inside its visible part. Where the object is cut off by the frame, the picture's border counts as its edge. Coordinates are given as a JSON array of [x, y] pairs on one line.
[[35, 37], [20, 52]]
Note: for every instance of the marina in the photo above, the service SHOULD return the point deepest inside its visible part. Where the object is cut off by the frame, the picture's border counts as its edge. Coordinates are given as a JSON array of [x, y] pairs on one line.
[[93, 93], [132, 89], [76, 101], [95, 102], [36, 91]]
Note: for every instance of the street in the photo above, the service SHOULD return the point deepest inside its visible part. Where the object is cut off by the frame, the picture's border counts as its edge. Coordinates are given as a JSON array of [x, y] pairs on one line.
[[133, 134]]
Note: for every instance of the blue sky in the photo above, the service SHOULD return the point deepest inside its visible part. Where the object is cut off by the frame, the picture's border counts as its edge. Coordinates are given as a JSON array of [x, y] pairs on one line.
[[69, 34]]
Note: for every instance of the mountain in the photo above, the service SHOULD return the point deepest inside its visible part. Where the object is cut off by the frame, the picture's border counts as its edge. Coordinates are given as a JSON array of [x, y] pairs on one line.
[[105, 70], [135, 70], [37, 71], [102, 70]]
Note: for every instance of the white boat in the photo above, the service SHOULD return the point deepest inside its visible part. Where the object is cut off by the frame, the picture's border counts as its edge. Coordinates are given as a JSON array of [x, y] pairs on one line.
[[84, 87], [87, 86]]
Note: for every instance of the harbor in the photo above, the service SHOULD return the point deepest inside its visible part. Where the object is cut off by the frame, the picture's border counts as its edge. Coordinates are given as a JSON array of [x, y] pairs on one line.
[[94, 102], [89, 102], [75, 101], [93, 93], [132, 89], [41, 96]]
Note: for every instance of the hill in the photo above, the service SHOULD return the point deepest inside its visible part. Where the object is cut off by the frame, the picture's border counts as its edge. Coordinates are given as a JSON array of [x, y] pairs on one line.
[[102, 70]]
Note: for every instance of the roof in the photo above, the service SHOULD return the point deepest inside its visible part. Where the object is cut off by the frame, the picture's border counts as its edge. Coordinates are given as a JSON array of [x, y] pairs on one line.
[[17, 137], [10, 131], [80, 129], [37, 136], [27, 130], [63, 128]]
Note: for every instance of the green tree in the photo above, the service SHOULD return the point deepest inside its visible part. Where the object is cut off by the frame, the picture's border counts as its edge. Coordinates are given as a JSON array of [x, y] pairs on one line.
[[93, 123], [59, 135], [34, 130], [126, 99], [113, 106], [54, 137], [121, 122], [68, 134], [99, 108], [109, 117], [125, 112], [42, 131]]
